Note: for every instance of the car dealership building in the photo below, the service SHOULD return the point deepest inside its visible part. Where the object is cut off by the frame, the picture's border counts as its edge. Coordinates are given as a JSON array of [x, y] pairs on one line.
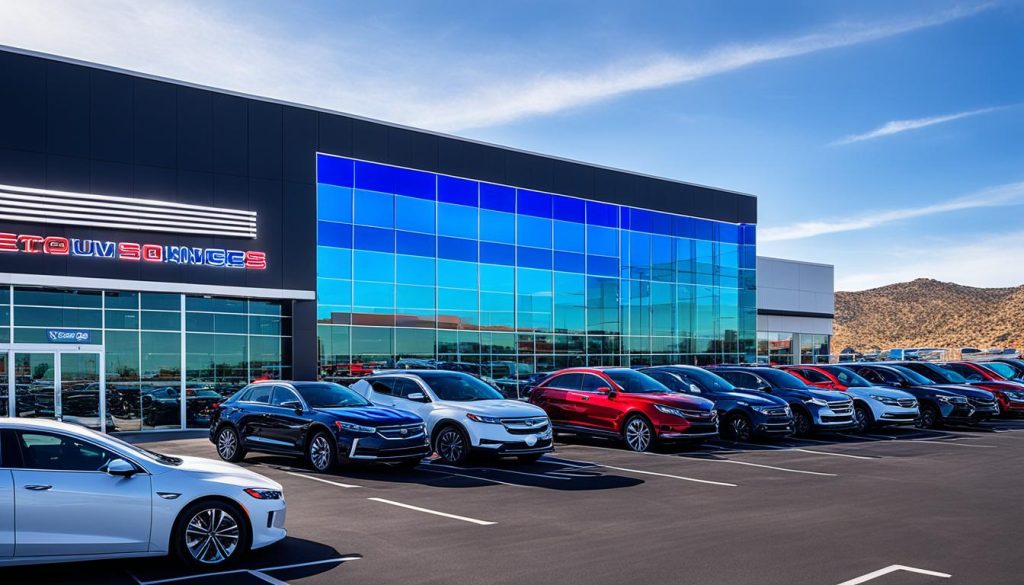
[[160, 240]]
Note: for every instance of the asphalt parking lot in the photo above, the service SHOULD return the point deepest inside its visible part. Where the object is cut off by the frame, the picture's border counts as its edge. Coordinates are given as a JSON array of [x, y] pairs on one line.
[[894, 507]]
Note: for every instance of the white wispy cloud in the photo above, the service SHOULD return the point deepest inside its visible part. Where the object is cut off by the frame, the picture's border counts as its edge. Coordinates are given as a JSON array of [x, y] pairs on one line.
[[1002, 195], [898, 126], [370, 73]]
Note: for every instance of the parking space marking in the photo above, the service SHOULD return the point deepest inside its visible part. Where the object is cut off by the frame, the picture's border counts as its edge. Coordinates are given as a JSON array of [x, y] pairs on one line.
[[334, 483], [833, 454], [765, 466], [947, 442], [487, 479], [892, 569], [540, 475], [258, 573], [267, 578], [434, 512], [719, 483]]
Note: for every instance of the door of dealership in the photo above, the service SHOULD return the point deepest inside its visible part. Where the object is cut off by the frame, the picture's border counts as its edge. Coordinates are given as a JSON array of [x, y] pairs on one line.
[[63, 383]]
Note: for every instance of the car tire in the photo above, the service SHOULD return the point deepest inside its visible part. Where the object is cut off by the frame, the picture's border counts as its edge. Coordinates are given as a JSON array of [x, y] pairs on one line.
[[862, 416], [531, 458], [196, 545], [452, 445], [802, 423], [929, 418], [739, 428], [229, 446], [638, 434], [322, 452]]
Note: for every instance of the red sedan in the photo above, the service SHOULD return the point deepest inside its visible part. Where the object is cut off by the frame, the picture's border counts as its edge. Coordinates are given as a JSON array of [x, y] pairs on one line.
[[623, 403], [1009, 394]]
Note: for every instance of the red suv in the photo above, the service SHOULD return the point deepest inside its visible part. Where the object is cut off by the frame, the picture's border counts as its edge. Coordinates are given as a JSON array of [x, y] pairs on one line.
[[623, 403]]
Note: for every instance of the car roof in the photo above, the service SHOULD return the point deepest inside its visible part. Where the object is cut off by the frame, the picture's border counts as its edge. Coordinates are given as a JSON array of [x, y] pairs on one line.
[[39, 424]]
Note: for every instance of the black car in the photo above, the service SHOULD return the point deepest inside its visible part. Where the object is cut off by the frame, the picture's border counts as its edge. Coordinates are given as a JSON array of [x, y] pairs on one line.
[[324, 422], [938, 404], [744, 415], [984, 401]]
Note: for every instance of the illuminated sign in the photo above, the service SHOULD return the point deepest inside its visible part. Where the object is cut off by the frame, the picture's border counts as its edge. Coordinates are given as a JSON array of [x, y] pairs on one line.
[[132, 251], [69, 336]]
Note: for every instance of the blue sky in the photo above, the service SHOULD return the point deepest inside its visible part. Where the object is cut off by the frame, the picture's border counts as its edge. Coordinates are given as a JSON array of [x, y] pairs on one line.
[[882, 137]]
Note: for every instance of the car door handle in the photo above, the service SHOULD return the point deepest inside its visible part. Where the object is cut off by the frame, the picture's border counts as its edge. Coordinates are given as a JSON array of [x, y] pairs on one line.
[[39, 488]]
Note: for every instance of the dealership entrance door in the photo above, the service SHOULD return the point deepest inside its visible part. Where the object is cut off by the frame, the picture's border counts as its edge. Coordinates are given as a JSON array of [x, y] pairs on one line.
[[56, 383]]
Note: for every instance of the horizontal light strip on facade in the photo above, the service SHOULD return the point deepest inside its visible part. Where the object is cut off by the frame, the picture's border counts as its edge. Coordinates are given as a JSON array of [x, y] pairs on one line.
[[86, 209]]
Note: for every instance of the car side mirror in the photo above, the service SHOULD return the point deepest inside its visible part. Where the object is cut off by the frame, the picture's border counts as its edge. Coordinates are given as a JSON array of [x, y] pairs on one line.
[[694, 388], [121, 468], [607, 390], [294, 405], [417, 397], [764, 387]]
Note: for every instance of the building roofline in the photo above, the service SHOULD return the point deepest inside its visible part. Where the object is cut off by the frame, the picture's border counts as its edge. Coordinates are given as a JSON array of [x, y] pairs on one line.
[[153, 77], [791, 261]]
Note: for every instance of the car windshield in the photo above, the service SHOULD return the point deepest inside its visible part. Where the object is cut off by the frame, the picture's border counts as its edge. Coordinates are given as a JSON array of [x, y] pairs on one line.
[[634, 382], [708, 380], [458, 387], [914, 378], [329, 395], [1004, 370], [848, 377], [942, 375], [136, 450], [781, 379]]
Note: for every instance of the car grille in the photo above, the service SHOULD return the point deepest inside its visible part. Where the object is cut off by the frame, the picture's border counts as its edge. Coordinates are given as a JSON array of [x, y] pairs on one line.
[[525, 426], [982, 402], [700, 415], [401, 431], [780, 411], [907, 402], [841, 407]]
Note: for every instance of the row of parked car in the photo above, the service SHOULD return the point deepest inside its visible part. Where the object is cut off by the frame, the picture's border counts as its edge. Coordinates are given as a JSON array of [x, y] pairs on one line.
[[403, 415]]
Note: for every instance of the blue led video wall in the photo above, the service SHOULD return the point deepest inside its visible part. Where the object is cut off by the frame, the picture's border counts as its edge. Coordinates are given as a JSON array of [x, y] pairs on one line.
[[419, 266]]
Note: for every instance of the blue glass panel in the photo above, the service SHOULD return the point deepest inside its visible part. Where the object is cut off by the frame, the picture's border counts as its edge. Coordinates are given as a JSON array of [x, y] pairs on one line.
[[334, 170], [534, 258], [456, 249], [533, 203], [373, 294], [414, 215], [497, 197], [374, 266], [415, 270], [569, 236], [376, 239], [497, 226], [534, 282], [414, 183], [568, 208], [749, 234], [641, 220], [682, 227], [454, 274], [333, 262], [456, 220], [624, 215], [603, 241], [453, 190], [374, 177], [603, 214], [497, 253], [569, 262], [497, 278], [661, 223], [602, 266], [338, 235], [534, 231], [373, 208], [334, 292], [334, 203], [415, 244], [748, 257], [702, 229], [457, 299], [414, 297], [729, 233]]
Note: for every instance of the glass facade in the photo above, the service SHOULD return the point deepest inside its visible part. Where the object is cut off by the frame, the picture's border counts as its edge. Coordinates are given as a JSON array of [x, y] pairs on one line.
[[415, 265], [143, 340], [778, 348]]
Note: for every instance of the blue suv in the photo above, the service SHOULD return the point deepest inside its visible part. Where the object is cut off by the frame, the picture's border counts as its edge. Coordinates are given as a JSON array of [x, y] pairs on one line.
[[813, 409], [743, 415]]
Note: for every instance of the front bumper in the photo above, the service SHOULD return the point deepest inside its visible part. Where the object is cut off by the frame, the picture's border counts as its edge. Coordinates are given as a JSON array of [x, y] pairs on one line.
[[267, 519], [510, 439], [391, 446], [514, 447], [894, 416]]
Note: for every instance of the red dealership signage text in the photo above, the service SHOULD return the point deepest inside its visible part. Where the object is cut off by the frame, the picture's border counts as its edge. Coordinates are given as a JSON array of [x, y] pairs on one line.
[[132, 252]]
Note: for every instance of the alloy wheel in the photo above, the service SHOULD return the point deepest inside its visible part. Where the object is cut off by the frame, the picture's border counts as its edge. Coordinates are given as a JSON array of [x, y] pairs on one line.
[[638, 434], [927, 419], [740, 427], [450, 445], [320, 453], [227, 445], [861, 418], [801, 423], [212, 536]]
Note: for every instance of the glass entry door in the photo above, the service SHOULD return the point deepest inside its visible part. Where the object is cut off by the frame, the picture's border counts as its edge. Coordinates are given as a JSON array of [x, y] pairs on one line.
[[58, 385]]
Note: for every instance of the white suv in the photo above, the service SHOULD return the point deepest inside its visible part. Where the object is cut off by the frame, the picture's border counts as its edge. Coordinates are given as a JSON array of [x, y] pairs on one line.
[[463, 414]]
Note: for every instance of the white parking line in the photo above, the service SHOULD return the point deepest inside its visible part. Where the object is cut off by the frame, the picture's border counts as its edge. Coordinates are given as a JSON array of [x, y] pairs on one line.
[[334, 483], [312, 563], [486, 479], [255, 572], [542, 476], [766, 466], [947, 442], [434, 512], [834, 454], [893, 569], [670, 476]]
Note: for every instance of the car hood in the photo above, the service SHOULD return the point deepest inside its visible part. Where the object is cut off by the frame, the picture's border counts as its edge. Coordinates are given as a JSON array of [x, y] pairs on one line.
[[497, 408], [223, 472], [674, 399], [827, 395], [964, 390], [865, 391], [372, 415], [754, 398], [1001, 385]]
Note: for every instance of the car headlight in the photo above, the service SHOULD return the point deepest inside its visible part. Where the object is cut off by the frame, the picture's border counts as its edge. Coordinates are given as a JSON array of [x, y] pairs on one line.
[[491, 420], [353, 427], [669, 410], [742, 403], [886, 400], [264, 494], [815, 401]]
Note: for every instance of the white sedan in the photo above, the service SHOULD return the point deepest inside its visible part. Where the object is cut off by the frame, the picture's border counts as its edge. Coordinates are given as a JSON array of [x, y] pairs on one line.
[[71, 494]]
